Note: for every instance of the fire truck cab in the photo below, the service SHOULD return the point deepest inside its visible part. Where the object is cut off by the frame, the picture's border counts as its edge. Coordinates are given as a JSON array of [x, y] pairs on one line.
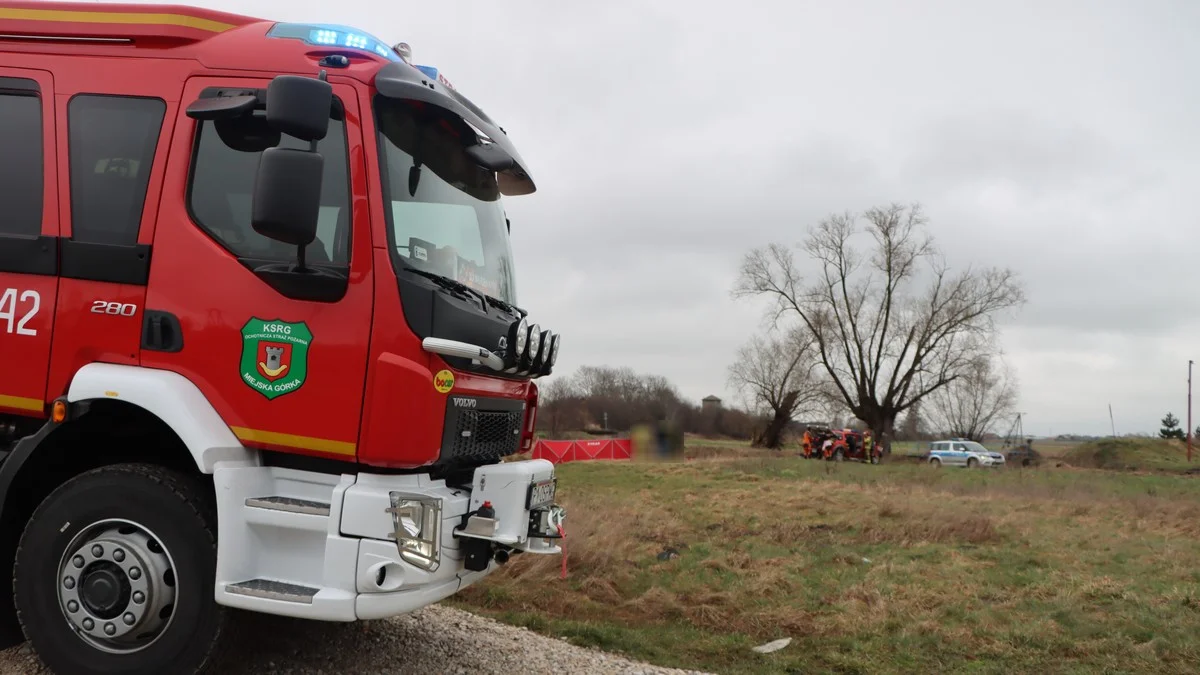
[[260, 343]]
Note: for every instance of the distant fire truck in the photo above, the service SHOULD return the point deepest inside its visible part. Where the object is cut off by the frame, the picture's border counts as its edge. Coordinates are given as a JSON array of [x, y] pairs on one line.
[[837, 445]]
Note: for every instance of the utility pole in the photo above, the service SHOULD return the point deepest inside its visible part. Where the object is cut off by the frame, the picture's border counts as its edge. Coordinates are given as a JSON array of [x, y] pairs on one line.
[[1189, 426]]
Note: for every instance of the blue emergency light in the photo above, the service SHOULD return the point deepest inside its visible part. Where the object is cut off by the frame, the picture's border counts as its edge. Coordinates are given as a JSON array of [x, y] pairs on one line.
[[332, 35]]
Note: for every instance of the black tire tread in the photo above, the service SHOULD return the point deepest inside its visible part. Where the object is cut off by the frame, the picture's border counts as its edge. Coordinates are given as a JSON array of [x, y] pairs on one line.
[[188, 491]]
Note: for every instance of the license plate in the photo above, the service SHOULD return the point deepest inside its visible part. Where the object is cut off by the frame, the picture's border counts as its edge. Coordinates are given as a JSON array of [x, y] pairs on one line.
[[542, 494]]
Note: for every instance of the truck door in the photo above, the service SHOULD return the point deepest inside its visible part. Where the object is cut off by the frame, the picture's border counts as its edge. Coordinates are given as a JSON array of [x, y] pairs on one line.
[[112, 139], [28, 238], [282, 359]]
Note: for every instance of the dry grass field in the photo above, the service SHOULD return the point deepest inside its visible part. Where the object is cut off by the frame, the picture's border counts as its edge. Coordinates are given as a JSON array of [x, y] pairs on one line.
[[874, 569]]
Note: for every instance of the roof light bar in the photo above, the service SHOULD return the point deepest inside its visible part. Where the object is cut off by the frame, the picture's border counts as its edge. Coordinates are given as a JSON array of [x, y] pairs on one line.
[[333, 35]]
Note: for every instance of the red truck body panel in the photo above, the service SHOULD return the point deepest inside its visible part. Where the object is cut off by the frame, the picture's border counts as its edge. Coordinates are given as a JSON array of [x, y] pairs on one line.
[[368, 392]]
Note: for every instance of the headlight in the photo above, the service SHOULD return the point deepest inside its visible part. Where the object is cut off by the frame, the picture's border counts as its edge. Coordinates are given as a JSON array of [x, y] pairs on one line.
[[520, 338], [554, 349], [417, 528], [535, 340]]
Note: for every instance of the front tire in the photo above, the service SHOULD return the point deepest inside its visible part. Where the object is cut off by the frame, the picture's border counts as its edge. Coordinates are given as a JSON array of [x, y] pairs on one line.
[[972, 463], [115, 574]]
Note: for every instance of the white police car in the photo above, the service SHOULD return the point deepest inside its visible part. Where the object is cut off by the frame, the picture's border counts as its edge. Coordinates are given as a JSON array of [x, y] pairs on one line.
[[961, 452]]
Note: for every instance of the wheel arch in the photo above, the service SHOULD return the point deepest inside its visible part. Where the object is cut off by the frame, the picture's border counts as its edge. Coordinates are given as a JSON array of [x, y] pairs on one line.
[[139, 414], [172, 399]]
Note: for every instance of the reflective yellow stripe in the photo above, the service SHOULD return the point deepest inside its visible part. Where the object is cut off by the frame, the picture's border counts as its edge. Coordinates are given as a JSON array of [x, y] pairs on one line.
[[114, 17], [290, 441], [22, 403]]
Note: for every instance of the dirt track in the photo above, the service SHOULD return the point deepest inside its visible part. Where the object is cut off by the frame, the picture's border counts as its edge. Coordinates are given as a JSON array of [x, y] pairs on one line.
[[436, 639]]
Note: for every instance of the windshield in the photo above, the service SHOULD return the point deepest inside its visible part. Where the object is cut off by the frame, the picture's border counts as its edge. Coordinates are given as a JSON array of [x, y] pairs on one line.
[[444, 215]]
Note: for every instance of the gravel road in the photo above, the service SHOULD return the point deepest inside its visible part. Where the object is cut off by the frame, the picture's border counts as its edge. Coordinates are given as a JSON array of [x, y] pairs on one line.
[[434, 640]]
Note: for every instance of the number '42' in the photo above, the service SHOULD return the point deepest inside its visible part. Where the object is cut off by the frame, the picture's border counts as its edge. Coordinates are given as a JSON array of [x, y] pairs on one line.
[[17, 308]]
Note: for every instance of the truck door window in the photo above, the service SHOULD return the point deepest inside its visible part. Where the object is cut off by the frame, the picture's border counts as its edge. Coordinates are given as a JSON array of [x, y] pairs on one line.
[[112, 143], [224, 166], [21, 172]]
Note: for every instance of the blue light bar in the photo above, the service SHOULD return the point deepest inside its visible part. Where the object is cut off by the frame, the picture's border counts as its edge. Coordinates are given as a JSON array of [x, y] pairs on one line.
[[331, 35]]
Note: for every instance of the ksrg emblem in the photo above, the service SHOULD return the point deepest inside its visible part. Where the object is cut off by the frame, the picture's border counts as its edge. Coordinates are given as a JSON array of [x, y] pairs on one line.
[[275, 356]]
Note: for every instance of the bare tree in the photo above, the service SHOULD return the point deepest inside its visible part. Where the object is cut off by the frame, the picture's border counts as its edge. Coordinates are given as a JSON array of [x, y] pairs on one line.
[[780, 376], [891, 326], [622, 398], [969, 406], [559, 401]]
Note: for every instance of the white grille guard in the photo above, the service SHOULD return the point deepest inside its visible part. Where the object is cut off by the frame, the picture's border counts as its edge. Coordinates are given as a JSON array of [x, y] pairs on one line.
[[463, 350]]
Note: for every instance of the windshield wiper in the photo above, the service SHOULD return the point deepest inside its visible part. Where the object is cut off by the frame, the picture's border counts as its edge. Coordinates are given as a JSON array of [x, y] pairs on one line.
[[461, 288], [450, 284], [497, 302]]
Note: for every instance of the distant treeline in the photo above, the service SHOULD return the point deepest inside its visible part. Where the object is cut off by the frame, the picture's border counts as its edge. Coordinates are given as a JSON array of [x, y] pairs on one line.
[[596, 398]]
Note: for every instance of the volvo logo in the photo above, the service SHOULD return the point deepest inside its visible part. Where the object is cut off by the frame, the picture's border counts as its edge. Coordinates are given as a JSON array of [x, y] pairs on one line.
[[464, 402]]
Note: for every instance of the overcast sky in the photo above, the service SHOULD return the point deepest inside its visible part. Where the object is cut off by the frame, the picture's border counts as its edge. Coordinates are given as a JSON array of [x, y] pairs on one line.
[[667, 138]]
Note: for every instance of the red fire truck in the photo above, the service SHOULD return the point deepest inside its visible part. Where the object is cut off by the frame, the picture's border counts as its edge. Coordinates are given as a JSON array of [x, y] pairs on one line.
[[260, 345], [836, 445]]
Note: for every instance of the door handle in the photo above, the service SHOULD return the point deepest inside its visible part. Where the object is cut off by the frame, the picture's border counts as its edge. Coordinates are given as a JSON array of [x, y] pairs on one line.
[[161, 331]]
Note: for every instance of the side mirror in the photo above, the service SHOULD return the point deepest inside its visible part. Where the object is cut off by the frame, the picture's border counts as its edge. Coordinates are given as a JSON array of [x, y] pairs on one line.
[[287, 188], [287, 196], [491, 157], [300, 106]]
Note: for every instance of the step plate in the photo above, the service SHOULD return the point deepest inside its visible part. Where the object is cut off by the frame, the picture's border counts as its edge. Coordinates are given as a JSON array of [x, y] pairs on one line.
[[274, 590], [289, 505]]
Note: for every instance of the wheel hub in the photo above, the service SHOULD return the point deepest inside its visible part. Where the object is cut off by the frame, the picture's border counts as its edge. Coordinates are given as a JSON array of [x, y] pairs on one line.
[[117, 586], [104, 589]]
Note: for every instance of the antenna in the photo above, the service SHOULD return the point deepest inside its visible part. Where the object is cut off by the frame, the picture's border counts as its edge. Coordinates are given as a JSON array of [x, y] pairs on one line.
[[1016, 433]]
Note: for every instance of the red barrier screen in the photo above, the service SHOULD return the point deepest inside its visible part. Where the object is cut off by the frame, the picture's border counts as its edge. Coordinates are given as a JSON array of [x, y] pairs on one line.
[[559, 452]]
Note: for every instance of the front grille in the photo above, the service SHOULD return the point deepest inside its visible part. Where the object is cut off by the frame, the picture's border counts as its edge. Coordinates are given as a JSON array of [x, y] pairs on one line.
[[480, 430]]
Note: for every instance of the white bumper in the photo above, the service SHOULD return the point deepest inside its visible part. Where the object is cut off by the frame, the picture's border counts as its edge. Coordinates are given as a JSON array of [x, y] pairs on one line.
[[281, 553]]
